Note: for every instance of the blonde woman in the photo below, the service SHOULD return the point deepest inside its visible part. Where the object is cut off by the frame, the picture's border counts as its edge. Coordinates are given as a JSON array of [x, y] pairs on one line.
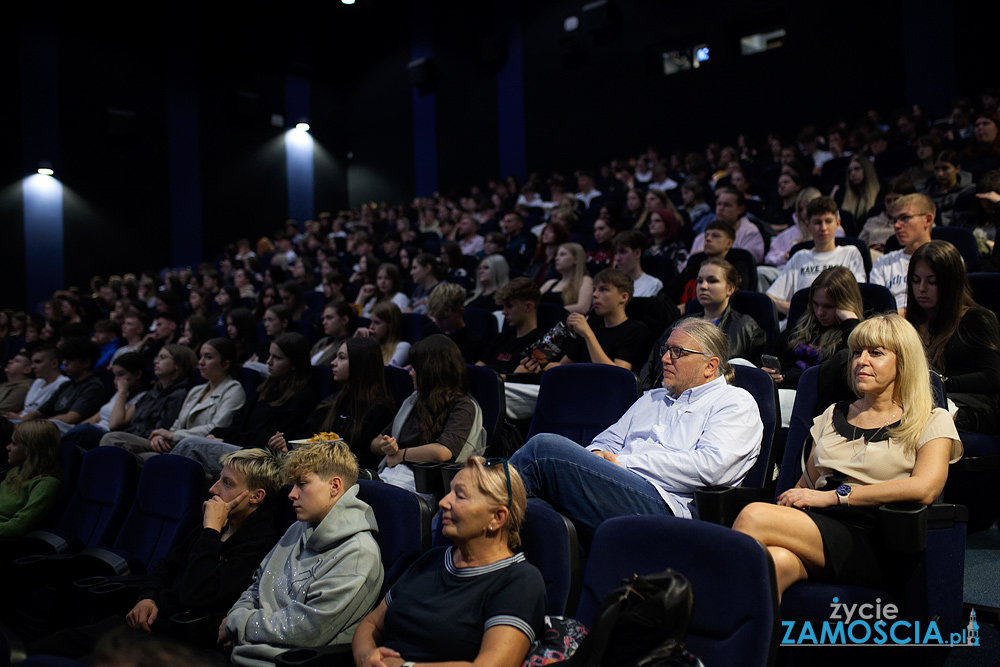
[[890, 445], [485, 596], [574, 289]]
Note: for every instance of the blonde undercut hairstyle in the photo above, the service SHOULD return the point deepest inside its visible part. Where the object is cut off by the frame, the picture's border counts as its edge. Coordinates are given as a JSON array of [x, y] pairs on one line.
[[326, 459], [491, 481], [261, 468], [918, 200], [912, 389], [446, 298]]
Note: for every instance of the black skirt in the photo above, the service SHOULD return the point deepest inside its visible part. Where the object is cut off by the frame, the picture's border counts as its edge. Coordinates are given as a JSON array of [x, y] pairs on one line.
[[852, 546]]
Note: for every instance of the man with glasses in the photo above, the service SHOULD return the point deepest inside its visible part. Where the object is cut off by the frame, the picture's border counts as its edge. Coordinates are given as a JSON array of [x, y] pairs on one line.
[[696, 431], [912, 218]]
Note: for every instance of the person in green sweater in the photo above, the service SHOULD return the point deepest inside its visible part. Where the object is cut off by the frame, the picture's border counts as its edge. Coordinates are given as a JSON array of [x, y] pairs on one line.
[[31, 486]]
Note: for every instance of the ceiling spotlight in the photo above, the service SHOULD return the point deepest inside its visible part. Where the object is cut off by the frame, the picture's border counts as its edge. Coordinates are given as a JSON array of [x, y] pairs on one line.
[[45, 168], [347, 2], [304, 127]]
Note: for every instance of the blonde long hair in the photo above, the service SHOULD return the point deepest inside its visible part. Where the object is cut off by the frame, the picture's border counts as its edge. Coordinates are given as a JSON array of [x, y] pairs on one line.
[[912, 390], [571, 293], [861, 200]]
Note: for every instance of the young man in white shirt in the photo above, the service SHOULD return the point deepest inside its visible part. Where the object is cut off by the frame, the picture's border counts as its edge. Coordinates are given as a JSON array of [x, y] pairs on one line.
[[45, 365], [628, 247], [912, 218], [803, 267]]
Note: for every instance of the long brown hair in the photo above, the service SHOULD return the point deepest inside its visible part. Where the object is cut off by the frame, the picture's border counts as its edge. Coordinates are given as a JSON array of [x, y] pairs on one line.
[[954, 299], [365, 388], [296, 348], [441, 379], [389, 312]]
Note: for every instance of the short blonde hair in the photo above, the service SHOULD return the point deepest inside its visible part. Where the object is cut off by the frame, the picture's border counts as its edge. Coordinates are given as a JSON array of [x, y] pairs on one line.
[[919, 201], [326, 459], [491, 481], [261, 468], [446, 298]]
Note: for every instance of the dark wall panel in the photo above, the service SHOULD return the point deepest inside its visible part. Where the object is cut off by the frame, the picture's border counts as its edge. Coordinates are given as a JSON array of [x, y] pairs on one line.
[[242, 155], [466, 97], [114, 169], [611, 100], [329, 130], [12, 281], [379, 129]]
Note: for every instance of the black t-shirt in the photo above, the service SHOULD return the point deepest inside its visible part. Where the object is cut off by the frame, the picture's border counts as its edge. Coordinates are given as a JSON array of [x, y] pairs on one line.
[[84, 398], [625, 341], [505, 352], [437, 612]]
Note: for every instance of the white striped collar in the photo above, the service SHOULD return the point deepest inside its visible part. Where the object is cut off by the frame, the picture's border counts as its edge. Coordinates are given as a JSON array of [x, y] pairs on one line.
[[478, 570]]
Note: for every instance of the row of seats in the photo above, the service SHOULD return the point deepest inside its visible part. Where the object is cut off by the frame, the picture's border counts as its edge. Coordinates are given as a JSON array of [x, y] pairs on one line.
[[735, 612]]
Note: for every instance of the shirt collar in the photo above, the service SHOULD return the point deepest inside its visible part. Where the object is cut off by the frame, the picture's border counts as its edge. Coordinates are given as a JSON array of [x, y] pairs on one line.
[[694, 394]]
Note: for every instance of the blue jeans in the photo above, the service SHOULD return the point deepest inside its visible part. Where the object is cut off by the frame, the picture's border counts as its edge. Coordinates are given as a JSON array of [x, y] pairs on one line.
[[585, 487]]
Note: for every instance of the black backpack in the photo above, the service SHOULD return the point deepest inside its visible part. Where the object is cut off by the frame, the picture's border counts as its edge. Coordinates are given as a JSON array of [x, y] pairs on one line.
[[642, 623]]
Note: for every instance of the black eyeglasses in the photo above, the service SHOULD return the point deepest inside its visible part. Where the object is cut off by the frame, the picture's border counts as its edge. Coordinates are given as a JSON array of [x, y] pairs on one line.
[[506, 471], [678, 352]]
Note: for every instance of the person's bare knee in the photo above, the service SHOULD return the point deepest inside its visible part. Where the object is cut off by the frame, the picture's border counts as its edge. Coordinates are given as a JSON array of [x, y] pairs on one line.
[[788, 567], [755, 519]]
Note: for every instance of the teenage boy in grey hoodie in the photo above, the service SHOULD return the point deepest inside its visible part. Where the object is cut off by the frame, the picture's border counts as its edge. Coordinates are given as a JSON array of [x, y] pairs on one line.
[[325, 573]]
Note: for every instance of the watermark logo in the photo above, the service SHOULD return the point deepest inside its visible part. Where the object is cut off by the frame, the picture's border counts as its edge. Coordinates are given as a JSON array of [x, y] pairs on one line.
[[874, 624]]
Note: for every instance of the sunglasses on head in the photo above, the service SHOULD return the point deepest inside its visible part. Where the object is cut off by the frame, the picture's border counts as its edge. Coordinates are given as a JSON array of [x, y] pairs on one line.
[[506, 471]]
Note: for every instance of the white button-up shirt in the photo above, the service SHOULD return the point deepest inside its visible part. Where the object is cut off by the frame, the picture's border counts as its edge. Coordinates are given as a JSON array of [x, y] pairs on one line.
[[708, 435]]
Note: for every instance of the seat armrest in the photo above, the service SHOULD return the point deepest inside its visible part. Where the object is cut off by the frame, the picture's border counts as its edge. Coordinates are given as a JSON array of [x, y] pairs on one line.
[[946, 515], [722, 504], [46, 543], [338, 655], [904, 527], [100, 562], [427, 477], [198, 629]]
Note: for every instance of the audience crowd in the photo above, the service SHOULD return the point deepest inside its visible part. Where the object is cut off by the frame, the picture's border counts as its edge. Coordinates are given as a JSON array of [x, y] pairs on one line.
[[652, 263]]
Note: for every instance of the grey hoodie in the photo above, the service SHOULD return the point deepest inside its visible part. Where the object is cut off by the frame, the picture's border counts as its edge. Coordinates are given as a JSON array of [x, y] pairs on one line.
[[314, 587]]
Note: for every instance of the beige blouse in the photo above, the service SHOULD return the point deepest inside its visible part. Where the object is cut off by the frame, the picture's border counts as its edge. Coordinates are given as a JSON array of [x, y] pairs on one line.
[[872, 462]]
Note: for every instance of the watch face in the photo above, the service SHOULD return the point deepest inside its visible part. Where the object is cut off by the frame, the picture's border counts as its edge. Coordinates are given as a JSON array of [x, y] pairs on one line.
[[843, 490]]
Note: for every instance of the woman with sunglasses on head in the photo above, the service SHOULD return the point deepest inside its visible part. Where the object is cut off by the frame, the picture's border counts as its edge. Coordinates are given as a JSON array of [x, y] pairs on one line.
[[439, 421], [475, 602], [962, 339]]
